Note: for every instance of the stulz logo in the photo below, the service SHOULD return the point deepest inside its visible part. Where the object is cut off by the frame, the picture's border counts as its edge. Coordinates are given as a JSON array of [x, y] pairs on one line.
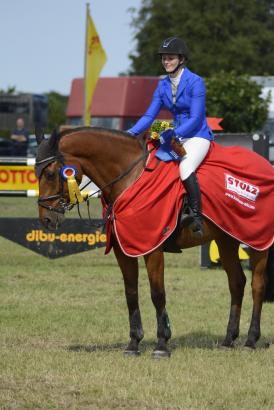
[[242, 188]]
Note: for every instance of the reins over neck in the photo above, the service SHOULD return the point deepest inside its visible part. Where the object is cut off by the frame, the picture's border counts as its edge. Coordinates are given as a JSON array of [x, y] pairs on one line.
[[122, 175]]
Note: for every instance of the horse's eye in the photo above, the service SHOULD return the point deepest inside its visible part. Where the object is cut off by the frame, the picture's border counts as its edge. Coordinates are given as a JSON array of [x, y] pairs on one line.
[[50, 175]]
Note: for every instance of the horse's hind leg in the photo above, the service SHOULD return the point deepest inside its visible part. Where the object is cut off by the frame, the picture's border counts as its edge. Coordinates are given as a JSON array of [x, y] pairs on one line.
[[258, 264], [129, 268], [155, 268], [228, 249]]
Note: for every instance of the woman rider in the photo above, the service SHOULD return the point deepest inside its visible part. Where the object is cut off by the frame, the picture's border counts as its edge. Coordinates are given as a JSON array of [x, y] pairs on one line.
[[183, 94]]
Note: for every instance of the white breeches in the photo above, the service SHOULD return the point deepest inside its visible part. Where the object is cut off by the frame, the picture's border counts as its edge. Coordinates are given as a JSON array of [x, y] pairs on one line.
[[196, 150]]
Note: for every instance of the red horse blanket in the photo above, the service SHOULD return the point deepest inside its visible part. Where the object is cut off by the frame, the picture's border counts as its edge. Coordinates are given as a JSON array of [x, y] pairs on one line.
[[237, 188]]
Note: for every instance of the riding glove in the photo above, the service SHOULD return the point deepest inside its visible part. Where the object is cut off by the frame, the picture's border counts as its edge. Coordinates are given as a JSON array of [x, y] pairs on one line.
[[165, 152]]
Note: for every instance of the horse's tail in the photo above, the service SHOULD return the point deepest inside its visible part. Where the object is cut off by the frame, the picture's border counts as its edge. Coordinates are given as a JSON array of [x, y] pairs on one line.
[[269, 291]]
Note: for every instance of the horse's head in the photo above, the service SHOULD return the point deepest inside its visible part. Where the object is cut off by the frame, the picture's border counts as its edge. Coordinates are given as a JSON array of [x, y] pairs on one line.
[[53, 198]]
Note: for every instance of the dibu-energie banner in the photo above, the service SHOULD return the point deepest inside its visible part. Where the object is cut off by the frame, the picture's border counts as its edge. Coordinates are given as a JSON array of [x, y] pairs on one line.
[[17, 178]]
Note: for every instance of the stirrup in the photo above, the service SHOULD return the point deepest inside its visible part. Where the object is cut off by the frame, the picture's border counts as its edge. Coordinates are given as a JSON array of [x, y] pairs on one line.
[[187, 215], [186, 220], [197, 225]]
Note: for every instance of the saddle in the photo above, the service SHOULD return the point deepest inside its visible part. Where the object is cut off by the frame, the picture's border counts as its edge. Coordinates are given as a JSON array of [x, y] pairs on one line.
[[185, 219]]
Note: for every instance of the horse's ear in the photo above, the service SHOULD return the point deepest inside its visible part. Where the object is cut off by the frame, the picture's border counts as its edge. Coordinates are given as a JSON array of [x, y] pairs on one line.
[[39, 134], [53, 138]]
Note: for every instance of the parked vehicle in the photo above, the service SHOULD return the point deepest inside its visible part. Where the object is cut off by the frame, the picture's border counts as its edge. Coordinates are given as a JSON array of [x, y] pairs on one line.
[[33, 108]]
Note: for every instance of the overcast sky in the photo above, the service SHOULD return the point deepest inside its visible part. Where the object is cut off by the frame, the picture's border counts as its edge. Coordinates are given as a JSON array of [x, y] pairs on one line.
[[42, 41]]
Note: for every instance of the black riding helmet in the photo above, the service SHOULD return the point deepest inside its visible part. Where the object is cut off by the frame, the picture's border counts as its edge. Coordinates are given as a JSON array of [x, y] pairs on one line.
[[173, 45]]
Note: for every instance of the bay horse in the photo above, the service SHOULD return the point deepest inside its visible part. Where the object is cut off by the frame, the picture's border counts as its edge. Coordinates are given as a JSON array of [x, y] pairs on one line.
[[113, 160]]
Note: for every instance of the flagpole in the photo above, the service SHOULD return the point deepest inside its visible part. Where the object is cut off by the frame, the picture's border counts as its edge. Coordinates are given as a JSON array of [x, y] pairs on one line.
[[85, 65]]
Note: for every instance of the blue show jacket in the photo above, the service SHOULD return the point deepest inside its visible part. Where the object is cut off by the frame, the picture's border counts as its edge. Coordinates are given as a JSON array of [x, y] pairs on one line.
[[188, 112]]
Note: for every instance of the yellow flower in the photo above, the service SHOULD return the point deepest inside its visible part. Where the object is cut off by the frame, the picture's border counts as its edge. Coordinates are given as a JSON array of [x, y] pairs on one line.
[[154, 135], [165, 125], [158, 127]]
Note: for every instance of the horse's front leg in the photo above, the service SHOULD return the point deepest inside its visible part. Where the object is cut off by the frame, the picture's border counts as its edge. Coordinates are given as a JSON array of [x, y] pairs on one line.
[[155, 268], [129, 268]]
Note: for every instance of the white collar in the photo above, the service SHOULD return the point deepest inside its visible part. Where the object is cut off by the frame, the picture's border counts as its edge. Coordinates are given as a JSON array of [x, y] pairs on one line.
[[176, 80]]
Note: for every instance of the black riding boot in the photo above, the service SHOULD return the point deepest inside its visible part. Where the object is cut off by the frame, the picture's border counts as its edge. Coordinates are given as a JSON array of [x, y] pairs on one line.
[[194, 197]]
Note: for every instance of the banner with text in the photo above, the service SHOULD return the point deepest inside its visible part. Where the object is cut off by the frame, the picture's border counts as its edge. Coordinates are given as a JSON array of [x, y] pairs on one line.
[[17, 178], [74, 236]]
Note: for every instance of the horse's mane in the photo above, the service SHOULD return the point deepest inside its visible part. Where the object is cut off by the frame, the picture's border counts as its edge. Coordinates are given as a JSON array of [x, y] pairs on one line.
[[97, 129]]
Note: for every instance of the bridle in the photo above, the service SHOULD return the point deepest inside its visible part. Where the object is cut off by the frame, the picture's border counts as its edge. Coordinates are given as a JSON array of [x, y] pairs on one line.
[[63, 205]]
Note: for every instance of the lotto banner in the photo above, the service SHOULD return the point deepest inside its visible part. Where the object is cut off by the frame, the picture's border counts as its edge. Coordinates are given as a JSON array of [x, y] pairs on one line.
[[17, 178]]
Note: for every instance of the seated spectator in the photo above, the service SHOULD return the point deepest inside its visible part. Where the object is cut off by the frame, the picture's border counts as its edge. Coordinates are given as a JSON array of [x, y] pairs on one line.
[[20, 137]]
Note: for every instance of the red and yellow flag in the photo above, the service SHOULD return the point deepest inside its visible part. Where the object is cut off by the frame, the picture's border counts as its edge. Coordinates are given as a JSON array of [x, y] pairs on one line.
[[95, 58]]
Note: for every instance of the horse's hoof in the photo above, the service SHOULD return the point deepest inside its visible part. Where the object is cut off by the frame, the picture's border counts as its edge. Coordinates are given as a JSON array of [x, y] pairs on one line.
[[227, 345], [249, 346], [161, 354], [132, 353], [269, 345], [248, 349]]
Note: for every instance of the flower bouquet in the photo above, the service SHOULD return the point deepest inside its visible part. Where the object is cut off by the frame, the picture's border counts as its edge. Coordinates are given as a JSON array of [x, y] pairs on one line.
[[160, 126]]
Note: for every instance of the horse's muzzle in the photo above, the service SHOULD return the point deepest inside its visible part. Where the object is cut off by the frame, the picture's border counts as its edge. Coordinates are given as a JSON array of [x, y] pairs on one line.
[[51, 220]]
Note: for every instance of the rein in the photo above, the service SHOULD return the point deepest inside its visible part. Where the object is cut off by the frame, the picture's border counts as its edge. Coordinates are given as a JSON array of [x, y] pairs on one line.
[[122, 175]]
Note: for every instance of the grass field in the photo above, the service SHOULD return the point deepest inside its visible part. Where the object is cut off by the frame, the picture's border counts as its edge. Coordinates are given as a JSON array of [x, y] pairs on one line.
[[64, 326]]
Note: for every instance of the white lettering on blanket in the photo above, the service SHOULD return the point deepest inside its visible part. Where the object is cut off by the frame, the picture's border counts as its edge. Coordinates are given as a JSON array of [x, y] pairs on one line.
[[242, 188], [240, 202]]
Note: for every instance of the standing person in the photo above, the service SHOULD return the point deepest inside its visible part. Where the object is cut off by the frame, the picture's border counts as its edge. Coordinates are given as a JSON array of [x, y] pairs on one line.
[[20, 138], [183, 93]]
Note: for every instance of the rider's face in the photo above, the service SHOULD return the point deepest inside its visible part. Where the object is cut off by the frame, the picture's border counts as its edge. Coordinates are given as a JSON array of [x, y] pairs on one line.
[[170, 62]]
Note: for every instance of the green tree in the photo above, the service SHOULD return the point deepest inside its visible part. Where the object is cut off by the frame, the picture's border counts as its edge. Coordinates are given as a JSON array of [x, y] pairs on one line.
[[229, 40], [57, 105], [221, 35], [237, 99]]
